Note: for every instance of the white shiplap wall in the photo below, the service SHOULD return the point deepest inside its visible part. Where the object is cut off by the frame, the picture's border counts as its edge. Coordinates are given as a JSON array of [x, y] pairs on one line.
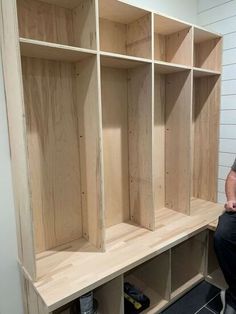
[[220, 16]]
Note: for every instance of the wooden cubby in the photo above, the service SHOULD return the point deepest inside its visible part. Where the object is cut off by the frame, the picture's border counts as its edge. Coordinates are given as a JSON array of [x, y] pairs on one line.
[[172, 139], [126, 124], [188, 263], [63, 150], [113, 128], [153, 279], [71, 23], [172, 41], [125, 29], [207, 50]]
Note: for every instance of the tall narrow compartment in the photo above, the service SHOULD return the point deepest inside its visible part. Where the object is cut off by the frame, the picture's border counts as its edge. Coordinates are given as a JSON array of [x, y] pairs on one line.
[[172, 139], [127, 144], [205, 134]]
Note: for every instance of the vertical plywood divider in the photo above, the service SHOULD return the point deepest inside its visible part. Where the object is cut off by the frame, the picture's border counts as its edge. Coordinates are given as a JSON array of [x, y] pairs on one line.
[[159, 142], [206, 133], [178, 140], [10, 59], [140, 115], [90, 134]]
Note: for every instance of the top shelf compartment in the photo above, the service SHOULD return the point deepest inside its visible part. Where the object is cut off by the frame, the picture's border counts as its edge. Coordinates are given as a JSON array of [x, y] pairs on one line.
[[172, 41], [71, 23], [207, 50], [124, 29]]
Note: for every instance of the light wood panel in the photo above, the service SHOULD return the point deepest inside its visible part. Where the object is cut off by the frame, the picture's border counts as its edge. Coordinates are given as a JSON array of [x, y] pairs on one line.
[[112, 36], [159, 141], [139, 36], [90, 135], [132, 39], [206, 132], [140, 145], [168, 25], [110, 297], [53, 23], [153, 279], [119, 11], [53, 151], [50, 51], [175, 47], [115, 143], [10, 59], [208, 55], [178, 139], [185, 269]]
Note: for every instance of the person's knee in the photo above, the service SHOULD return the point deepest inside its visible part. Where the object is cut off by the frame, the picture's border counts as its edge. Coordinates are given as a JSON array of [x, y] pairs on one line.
[[224, 230]]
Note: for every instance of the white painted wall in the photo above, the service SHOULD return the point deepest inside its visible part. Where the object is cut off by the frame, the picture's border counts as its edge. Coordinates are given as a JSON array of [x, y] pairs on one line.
[[182, 9], [10, 300], [220, 16], [10, 293]]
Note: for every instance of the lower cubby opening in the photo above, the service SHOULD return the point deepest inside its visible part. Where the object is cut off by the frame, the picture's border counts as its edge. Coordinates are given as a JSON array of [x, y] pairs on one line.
[[127, 146], [188, 264], [214, 273], [153, 279]]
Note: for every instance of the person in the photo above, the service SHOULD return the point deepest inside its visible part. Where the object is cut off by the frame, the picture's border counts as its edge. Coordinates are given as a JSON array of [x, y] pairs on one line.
[[225, 244]]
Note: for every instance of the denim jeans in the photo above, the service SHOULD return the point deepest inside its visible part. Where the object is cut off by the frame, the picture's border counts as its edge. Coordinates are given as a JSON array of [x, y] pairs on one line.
[[225, 248]]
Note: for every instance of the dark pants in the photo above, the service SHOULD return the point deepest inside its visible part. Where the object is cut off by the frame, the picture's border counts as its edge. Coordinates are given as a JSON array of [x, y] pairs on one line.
[[225, 248]]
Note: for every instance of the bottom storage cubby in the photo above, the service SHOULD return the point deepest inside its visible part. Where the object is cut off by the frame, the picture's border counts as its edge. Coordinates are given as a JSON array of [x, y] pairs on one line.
[[214, 273], [153, 279], [188, 263]]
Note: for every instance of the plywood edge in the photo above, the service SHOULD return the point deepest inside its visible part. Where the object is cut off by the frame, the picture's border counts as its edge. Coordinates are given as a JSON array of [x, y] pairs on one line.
[[199, 72]]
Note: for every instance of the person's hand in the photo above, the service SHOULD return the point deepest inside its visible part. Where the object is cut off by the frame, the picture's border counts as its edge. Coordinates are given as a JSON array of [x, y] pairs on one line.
[[230, 206]]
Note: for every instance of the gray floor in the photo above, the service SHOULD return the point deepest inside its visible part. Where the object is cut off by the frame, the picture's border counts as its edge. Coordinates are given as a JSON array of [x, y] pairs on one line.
[[203, 299]]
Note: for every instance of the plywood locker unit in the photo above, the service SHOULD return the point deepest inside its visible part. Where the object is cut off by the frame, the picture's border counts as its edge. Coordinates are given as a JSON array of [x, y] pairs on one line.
[[214, 273], [172, 41], [185, 272], [172, 140], [127, 143], [153, 279], [71, 23], [124, 29], [207, 50], [205, 134], [63, 151]]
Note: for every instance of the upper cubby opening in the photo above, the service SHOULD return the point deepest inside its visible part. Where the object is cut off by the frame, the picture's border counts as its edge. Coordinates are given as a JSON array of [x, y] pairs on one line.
[[207, 50], [124, 29], [172, 40], [71, 23]]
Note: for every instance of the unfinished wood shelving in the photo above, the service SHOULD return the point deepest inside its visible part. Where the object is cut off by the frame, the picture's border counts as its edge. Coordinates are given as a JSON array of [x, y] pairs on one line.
[[172, 40], [114, 134]]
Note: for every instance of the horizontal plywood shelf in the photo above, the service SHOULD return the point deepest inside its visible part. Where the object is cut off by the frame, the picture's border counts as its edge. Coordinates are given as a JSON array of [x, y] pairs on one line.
[[162, 67], [198, 72], [51, 51], [187, 286], [114, 60]]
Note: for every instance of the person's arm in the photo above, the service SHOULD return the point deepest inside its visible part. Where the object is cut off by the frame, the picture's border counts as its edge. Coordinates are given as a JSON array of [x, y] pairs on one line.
[[230, 191]]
